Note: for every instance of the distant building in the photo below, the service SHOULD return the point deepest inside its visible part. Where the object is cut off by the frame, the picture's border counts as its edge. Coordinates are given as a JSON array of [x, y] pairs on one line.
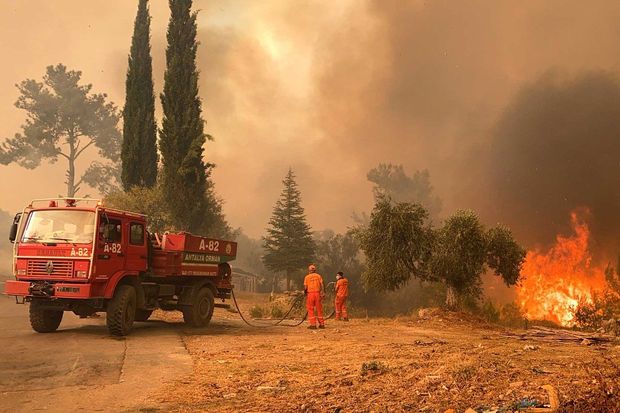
[[244, 280]]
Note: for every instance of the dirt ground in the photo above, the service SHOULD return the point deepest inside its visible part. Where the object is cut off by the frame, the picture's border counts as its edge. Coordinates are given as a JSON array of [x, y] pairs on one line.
[[383, 365], [412, 364]]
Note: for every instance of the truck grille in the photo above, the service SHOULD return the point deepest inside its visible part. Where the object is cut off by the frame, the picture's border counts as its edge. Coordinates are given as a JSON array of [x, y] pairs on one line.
[[50, 268]]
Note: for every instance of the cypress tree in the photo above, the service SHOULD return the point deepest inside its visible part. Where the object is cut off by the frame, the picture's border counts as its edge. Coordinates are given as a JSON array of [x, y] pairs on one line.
[[289, 245], [184, 173], [139, 150]]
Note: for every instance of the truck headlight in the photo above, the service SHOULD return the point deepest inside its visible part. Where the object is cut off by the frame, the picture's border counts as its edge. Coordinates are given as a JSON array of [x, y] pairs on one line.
[[21, 272], [81, 273]]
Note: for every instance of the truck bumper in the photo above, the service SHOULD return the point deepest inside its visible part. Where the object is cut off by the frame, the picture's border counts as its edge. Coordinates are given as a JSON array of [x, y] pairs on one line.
[[20, 288], [60, 290]]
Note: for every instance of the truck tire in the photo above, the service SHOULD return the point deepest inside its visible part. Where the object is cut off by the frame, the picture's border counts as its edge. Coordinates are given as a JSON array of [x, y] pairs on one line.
[[200, 312], [121, 311], [143, 315], [44, 320]]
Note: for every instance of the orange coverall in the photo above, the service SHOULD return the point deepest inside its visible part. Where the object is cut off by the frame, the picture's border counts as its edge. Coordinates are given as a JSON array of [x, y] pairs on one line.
[[313, 284], [342, 292]]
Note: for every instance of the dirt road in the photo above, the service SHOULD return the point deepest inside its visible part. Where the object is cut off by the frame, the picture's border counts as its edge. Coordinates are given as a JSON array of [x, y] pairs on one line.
[[81, 367]]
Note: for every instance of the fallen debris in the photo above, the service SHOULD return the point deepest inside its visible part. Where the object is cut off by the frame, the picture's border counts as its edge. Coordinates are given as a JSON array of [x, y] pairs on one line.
[[548, 334], [270, 388], [554, 401]]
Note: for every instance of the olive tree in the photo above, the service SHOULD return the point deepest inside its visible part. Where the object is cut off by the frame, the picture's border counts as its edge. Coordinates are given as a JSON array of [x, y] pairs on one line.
[[397, 243], [464, 250]]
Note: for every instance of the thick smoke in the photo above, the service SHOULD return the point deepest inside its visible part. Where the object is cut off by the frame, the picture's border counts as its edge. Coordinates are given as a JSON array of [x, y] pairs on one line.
[[557, 148], [329, 88]]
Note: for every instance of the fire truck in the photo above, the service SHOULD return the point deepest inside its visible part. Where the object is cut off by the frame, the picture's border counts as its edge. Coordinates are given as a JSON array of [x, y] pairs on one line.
[[76, 254]]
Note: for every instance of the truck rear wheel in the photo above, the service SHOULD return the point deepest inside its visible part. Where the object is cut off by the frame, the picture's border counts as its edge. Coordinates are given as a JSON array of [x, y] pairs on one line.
[[200, 312], [44, 320], [121, 311], [143, 315]]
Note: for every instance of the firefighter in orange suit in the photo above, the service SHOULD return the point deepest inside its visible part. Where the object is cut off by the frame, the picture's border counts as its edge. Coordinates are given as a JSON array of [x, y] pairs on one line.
[[342, 292], [314, 291]]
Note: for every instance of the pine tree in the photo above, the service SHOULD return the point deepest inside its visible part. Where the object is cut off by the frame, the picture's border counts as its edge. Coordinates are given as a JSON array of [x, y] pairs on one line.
[[289, 245], [139, 151], [63, 120], [184, 173]]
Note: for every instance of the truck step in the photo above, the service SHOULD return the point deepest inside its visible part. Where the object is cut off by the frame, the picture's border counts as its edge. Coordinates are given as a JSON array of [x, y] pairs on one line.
[[222, 305]]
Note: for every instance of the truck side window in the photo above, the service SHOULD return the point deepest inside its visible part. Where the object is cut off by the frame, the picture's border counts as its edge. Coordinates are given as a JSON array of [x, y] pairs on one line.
[[112, 230], [136, 234]]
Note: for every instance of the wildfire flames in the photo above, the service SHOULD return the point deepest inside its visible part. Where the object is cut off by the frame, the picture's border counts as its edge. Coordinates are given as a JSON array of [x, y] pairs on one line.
[[553, 283]]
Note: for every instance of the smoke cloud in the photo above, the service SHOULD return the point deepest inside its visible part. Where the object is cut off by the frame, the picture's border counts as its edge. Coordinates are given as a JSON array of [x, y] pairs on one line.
[[332, 89], [555, 149]]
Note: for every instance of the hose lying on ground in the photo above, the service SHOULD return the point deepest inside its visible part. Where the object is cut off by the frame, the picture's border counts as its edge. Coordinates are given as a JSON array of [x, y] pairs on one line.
[[284, 317]]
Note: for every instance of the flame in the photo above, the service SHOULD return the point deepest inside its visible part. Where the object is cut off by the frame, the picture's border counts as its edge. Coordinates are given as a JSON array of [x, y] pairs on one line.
[[553, 283]]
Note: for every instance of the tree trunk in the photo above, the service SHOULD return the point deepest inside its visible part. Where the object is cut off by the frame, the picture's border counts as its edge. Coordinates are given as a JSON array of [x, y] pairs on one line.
[[451, 298], [71, 169], [288, 280], [71, 179]]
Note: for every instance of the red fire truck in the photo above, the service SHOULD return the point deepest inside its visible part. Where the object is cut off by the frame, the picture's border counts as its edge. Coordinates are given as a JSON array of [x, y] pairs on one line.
[[81, 256]]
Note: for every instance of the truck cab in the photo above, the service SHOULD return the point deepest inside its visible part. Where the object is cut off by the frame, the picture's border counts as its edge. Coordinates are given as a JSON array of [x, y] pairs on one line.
[[78, 255]]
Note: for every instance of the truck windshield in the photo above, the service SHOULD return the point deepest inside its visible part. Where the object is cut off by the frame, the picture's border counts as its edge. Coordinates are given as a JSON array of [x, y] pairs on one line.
[[60, 227]]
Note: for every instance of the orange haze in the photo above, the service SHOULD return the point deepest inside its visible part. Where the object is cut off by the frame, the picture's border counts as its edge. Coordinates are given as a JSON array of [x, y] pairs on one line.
[[331, 88]]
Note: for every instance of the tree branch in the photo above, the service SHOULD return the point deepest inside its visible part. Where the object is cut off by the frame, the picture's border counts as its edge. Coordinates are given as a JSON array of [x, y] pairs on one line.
[[86, 146], [59, 152]]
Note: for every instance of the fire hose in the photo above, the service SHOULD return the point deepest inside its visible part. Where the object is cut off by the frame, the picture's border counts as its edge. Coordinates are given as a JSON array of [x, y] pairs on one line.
[[284, 317]]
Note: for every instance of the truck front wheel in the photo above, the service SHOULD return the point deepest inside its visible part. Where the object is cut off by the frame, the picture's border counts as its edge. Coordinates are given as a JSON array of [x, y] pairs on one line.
[[121, 311], [44, 320], [200, 312]]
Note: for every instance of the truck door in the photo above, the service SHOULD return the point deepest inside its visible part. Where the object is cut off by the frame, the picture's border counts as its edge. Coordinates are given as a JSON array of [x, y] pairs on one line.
[[136, 259], [110, 251]]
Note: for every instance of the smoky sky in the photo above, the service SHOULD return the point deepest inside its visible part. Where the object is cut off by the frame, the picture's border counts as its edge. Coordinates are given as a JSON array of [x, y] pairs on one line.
[[332, 89], [556, 148]]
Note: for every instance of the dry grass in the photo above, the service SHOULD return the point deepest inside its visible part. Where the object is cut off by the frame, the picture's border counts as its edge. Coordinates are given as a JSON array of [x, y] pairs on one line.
[[410, 364]]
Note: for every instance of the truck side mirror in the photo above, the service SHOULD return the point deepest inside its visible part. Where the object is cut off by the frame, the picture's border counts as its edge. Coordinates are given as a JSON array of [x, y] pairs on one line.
[[13, 231]]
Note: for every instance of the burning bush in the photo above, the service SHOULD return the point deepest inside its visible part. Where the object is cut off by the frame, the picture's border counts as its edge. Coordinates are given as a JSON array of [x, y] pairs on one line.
[[554, 283], [511, 315], [603, 311]]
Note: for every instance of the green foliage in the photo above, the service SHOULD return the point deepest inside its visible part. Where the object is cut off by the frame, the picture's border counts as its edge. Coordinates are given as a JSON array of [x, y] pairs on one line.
[[373, 367], [504, 255], [6, 248], [489, 312], [288, 244], [340, 252], [464, 250], [604, 307], [144, 200], [460, 252], [397, 244], [63, 120], [413, 295], [464, 373], [213, 221], [151, 202], [392, 182], [277, 311], [511, 315], [256, 311], [139, 149], [184, 173]]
